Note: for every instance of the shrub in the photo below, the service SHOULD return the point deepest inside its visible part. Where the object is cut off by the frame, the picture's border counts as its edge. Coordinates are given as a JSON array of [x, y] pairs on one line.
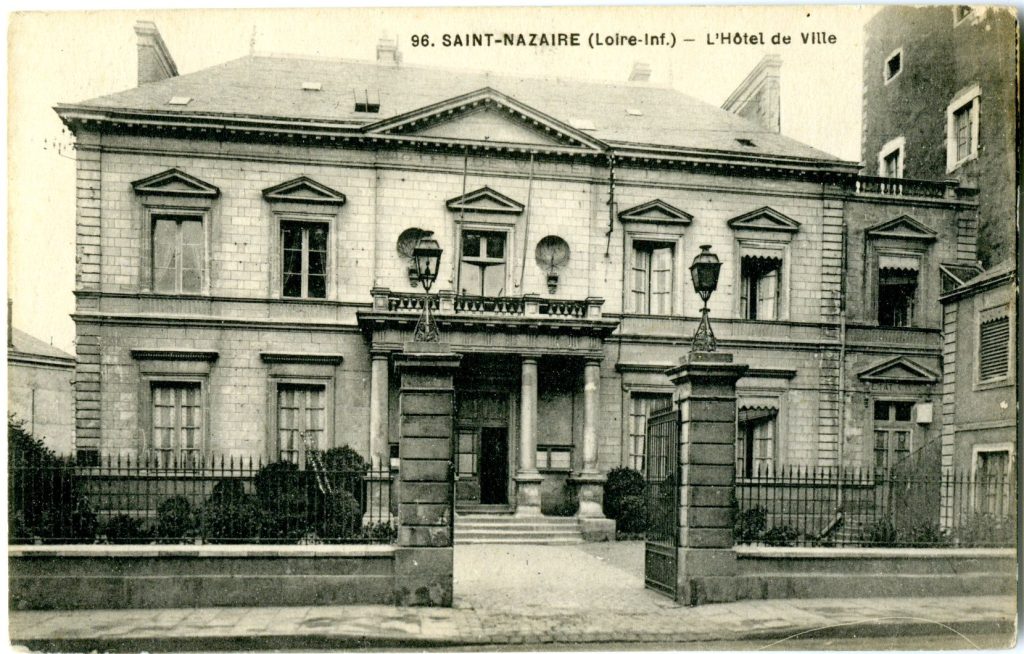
[[342, 517], [123, 528], [283, 497], [44, 497], [987, 530], [748, 525], [345, 469], [622, 484], [633, 519], [175, 519], [882, 533], [780, 536], [230, 514]]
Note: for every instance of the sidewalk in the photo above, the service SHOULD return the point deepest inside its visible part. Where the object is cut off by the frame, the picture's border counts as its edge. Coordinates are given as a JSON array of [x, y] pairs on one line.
[[383, 626]]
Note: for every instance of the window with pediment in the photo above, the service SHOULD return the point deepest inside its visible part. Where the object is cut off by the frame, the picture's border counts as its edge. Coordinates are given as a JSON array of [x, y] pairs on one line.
[[653, 261], [897, 264], [762, 256], [175, 214]]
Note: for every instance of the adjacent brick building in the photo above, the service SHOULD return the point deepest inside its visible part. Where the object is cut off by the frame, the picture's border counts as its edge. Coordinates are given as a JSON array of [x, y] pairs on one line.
[[940, 100], [243, 270]]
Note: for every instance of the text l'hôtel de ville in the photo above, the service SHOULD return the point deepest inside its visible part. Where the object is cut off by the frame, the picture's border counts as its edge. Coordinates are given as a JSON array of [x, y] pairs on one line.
[[596, 40]]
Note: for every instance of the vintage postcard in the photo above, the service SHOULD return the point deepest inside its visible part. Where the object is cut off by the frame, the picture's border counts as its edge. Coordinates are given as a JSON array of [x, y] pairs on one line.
[[536, 328]]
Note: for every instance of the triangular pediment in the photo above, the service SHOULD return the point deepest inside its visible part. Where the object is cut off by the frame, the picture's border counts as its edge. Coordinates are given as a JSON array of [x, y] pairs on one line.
[[485, 200], [899, 370], [175, 182], [656, 211], [903, 227], [303, 189], [489, 116], [765, 219]]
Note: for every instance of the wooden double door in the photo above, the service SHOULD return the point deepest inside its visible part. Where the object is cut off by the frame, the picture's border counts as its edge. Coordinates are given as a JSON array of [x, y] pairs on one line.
[[482, 447]]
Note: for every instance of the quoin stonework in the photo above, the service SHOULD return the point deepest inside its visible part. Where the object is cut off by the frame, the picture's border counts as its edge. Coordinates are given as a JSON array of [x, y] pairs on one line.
[[244, 277]]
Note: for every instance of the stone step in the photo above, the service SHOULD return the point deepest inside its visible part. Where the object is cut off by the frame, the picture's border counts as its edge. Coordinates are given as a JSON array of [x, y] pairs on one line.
[[507, 540], [517, 532], [571, 529], [459, 517]]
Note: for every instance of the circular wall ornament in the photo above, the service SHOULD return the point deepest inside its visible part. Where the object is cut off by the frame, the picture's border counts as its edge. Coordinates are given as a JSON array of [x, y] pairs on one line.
[[552, 253]]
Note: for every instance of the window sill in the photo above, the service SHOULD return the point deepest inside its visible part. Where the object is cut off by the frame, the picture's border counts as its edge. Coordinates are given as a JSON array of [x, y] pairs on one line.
[[952, 167], [991, 384]]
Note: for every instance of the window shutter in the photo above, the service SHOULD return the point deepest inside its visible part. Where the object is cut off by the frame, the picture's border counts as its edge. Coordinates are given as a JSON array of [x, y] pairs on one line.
[[994, 348]]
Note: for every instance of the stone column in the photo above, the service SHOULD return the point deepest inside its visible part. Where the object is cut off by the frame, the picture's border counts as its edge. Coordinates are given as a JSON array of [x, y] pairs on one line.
[[378, 480], [527, 478], [706, 396], [590, 481], [423, 558]]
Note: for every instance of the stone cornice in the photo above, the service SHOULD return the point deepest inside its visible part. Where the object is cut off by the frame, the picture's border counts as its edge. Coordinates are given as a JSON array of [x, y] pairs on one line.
[[301, 357], [762, 373], [40, 360], [332, 133], [174, 355]]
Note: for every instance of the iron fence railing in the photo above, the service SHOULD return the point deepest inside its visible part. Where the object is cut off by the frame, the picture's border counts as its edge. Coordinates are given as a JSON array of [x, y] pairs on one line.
[[800, 506], [219, 500]]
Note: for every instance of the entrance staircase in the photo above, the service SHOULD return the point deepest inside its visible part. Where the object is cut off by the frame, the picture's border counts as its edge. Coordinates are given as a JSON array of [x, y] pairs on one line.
[[499, 525]]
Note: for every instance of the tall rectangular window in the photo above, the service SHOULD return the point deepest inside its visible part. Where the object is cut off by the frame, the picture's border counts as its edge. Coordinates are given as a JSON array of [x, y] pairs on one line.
[[994, 348], [893, 432], [993, 480], [482, 266], [761, 287], [962, 129], [652, 274], [301, 420], [755, 441], [641, 406], [177, 423], [891, 164], [304, 259], [897, 292], [178, 254]]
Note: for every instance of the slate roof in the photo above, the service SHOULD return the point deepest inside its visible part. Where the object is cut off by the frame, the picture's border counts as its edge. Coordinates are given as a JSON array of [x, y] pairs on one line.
[[270, 86], [27, 344], [991, 277]]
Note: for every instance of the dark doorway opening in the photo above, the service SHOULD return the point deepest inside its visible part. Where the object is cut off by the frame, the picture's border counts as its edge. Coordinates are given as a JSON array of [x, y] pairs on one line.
[[494, 465]]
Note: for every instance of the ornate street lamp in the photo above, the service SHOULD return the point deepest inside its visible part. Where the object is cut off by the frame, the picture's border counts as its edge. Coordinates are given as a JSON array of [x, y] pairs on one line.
[[704, 272], [427, 258]]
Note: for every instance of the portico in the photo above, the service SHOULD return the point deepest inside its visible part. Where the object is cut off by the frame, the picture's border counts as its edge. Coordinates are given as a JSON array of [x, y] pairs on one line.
[[529, 383]]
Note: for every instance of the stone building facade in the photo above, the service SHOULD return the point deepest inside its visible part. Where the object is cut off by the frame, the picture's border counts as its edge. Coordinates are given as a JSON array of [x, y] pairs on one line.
[[243, 271], [979, 397], [940, 100], [39, 388]]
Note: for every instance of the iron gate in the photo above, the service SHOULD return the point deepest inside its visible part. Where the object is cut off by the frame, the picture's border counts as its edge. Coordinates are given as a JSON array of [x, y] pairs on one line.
[[662, 471]]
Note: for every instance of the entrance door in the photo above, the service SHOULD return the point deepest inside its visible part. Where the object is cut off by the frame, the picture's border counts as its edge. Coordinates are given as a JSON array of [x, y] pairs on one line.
[[494, 465], [482, 464]]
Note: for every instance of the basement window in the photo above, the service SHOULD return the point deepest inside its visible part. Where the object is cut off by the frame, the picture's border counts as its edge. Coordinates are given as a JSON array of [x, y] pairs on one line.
[[180, 100]]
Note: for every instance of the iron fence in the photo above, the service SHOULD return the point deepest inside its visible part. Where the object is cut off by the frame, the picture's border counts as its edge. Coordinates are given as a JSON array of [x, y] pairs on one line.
[[801, 506], [220, 500]]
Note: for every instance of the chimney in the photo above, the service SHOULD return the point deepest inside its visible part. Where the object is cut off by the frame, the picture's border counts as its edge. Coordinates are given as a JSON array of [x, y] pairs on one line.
[[641, 72], [387, 52], [155, 61], [757, 98]]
